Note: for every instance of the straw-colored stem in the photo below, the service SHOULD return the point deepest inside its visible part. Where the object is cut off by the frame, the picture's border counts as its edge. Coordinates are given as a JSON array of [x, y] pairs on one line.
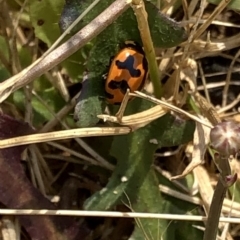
[[141, 15]]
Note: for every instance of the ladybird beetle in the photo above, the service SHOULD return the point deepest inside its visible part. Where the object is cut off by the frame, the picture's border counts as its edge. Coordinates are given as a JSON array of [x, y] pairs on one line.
[[128, 70]]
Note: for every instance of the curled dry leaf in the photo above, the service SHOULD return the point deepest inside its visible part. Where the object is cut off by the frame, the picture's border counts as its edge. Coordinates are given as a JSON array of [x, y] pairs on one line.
[[200, 142], [189, 73], [186, 71]]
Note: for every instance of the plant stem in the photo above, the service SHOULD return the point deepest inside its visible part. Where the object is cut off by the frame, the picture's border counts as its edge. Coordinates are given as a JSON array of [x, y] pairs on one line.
[[141, 15]]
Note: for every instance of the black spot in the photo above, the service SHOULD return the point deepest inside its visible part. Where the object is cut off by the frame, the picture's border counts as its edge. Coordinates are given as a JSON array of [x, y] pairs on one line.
[[121, 85], [40, 22], [117, 103], [109, 96], [128, 64]]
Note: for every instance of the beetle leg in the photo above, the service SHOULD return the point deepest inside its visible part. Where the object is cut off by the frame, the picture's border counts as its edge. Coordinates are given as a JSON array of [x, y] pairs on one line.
[[104, 76], [123, 106]]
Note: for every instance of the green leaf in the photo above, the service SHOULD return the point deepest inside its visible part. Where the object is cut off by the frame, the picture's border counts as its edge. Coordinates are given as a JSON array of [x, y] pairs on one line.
[[44, 16], [25, 56], [4, 47], [134, 153], [4, 74], [165, 31], [181, 229], [74, 66], [150, 200], [235, 191], [186, 230], [41, 114], [234, 4], [89, 105]]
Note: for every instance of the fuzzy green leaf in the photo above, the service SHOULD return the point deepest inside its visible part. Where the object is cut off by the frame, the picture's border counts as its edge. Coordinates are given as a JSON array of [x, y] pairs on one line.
[[89, 105], [150, 200], [134, 153]]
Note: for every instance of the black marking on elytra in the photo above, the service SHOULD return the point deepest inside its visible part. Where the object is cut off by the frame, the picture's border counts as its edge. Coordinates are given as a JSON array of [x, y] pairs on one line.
[[108, 95], [121, 85], [117, 103], [128, 64]]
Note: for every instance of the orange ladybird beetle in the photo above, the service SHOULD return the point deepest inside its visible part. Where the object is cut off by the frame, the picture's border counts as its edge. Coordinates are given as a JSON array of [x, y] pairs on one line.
[[128, 69]]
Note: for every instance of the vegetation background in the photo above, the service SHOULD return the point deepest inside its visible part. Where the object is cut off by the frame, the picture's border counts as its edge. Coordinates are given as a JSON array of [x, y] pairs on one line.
[[197, 52]]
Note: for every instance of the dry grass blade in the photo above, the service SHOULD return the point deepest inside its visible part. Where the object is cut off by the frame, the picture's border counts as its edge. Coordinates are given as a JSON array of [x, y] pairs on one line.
[[171, 107], [141, 16], [200, 141], [223, 4], [60, 135], [137, 120], [112, 214], [141, 119]]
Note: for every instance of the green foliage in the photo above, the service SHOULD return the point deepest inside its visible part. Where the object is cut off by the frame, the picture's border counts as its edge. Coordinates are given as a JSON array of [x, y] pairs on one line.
[[4, 73], [165, 33], [187, 231], [41, 86], [89, 104], [44, 16], [133, 176], [41, 113], [134, 153], [150, 200], [234, 4], [235, 191], [133, 181]]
